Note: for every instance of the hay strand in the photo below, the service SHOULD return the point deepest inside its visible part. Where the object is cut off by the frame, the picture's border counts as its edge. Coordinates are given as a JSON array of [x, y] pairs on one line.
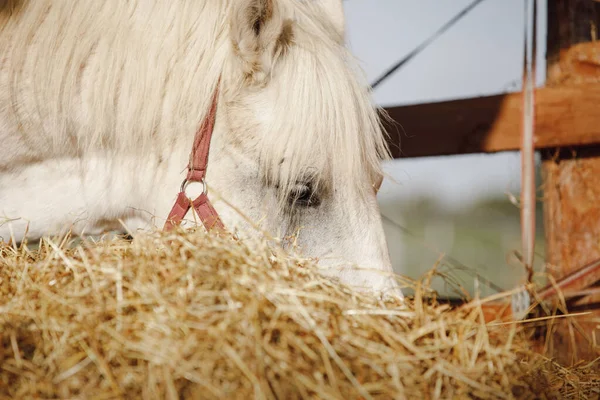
[[191, 315]]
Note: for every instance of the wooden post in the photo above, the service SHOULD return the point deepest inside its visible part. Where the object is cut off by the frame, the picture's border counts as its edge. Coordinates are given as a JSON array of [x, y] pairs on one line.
[[572, 175]]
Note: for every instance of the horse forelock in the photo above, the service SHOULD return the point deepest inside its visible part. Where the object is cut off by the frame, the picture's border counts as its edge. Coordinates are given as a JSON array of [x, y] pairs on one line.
[[325, 127]]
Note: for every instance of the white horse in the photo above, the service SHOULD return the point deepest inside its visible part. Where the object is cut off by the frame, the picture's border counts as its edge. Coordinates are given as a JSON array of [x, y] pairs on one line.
[[100, 102]]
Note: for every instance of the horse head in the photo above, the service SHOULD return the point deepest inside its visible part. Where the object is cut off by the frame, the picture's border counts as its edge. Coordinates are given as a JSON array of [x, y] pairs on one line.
[[300, 144]]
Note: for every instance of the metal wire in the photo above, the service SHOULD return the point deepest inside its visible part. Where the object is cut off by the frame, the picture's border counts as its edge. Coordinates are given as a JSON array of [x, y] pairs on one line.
[[425, 44]]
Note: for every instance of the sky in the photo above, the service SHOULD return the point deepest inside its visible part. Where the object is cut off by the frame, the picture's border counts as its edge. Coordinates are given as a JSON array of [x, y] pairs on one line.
[[481, 55]]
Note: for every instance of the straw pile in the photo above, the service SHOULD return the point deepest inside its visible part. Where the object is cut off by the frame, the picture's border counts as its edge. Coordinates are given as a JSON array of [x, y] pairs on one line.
[[188, 315]]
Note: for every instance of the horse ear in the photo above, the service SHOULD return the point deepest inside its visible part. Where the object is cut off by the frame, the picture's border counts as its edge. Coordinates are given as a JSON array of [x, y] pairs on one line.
[[335, 10], [259, 32]]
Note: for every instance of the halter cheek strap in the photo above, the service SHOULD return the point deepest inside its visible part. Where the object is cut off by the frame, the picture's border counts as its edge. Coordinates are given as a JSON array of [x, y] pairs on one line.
[[196, 173]]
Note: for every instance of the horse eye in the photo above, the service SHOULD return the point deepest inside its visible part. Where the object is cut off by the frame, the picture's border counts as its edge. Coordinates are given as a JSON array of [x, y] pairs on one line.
[[302, 195]]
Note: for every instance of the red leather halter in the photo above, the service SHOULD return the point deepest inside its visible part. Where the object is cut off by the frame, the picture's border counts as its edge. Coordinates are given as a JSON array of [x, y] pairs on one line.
[[196, 173]]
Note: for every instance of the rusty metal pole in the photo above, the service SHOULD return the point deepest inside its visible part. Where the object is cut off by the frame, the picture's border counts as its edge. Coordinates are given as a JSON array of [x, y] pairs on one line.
[[572, 175]]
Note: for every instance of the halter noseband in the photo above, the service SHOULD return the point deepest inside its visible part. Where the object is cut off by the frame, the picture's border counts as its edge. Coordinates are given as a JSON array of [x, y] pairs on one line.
[[196, 173]]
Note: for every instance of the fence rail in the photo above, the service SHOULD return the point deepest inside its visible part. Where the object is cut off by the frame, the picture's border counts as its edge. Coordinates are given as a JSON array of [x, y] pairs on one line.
[[566, 116]]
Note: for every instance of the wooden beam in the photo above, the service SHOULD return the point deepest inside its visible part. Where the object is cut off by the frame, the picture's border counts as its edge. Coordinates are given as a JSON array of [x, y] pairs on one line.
[[493, 123], [572, 180]]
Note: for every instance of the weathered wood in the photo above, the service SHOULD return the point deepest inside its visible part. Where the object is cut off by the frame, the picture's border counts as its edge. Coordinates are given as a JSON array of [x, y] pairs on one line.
[[572, 179], [492, 124], [500, 311]]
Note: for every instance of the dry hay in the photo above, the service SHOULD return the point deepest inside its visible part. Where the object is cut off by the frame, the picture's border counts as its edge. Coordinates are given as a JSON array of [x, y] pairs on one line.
[[195, 316]]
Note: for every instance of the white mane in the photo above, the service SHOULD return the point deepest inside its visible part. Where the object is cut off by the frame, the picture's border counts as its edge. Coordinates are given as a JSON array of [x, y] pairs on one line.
[[324, 117]]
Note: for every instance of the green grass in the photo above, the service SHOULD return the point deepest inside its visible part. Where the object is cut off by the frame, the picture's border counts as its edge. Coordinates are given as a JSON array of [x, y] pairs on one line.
[[482, 239]]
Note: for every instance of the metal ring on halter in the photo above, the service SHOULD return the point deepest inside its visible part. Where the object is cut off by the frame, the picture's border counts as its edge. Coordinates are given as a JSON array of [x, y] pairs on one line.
[[186, 182]]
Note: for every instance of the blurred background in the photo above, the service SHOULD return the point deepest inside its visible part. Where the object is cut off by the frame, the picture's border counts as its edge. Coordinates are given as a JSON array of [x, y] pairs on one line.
[[453, 212]]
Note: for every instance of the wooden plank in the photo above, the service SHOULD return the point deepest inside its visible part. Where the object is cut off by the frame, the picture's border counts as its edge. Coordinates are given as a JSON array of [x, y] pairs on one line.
[[493, 123], [499, 311], [572, 179]]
